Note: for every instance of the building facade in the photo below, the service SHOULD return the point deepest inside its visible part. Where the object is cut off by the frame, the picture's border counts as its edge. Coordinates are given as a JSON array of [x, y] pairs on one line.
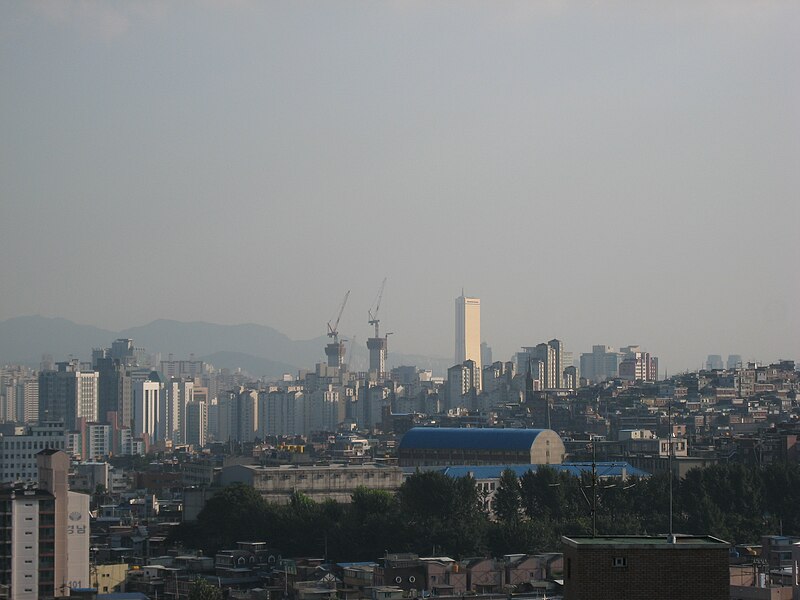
[[18, 452], [319, 482], [646, 568]]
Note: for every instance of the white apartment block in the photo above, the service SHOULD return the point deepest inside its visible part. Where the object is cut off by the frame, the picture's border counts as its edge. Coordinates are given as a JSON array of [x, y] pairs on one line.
[[98, 441], [325, 409], [285, 412], [146, 410]]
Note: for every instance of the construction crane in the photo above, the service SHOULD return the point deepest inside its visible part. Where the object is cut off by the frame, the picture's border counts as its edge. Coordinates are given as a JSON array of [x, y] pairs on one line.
[[333, 330], [373, 314]]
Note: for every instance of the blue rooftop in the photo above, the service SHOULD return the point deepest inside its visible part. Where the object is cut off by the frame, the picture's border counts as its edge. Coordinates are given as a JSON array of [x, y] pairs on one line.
[[604, 469], [469, 438]]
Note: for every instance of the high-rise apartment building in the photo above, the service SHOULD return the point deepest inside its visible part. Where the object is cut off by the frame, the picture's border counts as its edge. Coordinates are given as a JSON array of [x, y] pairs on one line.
[[468, 333], [19, 396], [461, 380], [284, 412], [44, 549], [325, 409], [547, 362], [638, 365]]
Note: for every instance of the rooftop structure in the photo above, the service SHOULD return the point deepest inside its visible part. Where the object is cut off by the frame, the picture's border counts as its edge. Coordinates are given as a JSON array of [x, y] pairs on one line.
[[475, 446]]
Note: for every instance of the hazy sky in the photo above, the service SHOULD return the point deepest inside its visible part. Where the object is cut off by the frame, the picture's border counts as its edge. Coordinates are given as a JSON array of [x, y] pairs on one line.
[[601, 172]]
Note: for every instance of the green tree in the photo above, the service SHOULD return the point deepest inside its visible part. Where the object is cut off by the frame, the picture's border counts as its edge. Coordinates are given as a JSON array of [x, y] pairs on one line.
[[236, 513], [373, 524], [556, 495], [507, 497], [444, 512], [202, 590]]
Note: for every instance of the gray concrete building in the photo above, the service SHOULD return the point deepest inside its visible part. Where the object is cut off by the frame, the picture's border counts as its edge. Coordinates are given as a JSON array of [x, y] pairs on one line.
[[319, 482]]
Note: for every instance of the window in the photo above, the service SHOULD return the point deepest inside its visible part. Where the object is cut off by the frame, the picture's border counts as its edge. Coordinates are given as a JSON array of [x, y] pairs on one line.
[[619, 561]]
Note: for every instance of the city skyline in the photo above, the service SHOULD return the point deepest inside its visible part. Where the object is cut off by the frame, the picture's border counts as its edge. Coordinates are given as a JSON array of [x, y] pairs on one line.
[[607, 174], [252, 349]]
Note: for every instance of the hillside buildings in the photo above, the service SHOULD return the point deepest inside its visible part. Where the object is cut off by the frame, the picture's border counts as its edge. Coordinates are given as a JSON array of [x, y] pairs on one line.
[[546, 362], [630, 363]]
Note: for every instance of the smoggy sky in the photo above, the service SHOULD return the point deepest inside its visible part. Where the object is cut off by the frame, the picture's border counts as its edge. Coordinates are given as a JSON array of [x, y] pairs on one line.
[[605, 173]]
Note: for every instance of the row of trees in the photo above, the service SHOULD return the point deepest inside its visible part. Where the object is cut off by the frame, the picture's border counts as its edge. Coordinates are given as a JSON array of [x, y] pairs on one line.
[[434, 513]]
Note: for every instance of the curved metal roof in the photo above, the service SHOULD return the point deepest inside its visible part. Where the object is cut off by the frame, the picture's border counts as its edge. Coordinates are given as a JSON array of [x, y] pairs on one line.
[[469, 438]]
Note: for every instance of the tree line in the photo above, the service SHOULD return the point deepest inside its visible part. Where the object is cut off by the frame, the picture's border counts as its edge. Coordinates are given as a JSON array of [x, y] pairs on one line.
[[434, 514]]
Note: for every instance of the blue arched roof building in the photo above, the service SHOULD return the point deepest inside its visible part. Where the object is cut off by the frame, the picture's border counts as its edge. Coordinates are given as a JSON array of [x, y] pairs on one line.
[[476, 446]]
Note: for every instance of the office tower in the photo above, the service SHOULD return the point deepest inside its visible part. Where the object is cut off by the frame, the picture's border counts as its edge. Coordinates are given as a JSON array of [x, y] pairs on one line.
[[182, 368], [122, 349], [468, 333], [68, 394], [146, 410], [196, 423], [734, 361], [486, 354], [18, 451], [714, 362], [600, 364], [114, 389]]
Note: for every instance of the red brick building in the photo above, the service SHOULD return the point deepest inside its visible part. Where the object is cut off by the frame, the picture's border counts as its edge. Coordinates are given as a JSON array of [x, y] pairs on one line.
[[646, 568]]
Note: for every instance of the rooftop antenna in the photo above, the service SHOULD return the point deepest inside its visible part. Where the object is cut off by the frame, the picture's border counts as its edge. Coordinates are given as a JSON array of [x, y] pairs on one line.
[[548, 412], [671, 538], [594, 487]]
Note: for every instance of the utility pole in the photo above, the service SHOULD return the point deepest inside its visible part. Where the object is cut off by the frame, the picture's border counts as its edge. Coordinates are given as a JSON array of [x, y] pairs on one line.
[[669, 468], [594, 488]]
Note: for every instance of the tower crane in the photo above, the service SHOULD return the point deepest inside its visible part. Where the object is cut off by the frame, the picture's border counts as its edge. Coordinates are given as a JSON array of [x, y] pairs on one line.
[[373, 314], [333, 330]]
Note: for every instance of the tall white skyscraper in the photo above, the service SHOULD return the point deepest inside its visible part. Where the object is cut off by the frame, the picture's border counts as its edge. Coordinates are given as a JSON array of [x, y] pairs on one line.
[[468, 332]]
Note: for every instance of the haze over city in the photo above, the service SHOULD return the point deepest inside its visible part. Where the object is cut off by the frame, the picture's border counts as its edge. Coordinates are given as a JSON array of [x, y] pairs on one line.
[[616, 174]]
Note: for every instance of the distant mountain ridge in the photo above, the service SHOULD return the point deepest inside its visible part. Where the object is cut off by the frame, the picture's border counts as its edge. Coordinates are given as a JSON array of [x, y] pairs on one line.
[[258, 349]]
